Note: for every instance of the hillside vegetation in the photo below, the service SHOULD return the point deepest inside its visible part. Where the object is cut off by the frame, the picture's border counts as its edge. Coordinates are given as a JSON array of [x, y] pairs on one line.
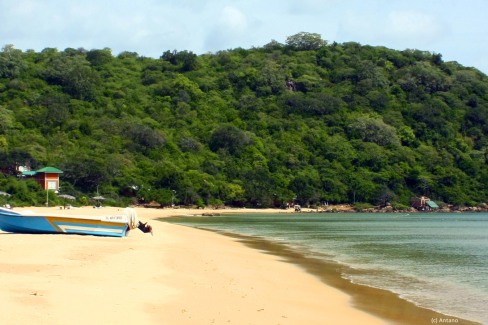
[[307, 121]]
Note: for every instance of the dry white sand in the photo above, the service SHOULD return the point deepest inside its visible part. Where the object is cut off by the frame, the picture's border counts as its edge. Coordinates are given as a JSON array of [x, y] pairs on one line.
[[178, 276]]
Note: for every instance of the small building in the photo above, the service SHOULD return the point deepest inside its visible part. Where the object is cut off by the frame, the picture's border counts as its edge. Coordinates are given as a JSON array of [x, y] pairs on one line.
[[47, 177], [423, 203]]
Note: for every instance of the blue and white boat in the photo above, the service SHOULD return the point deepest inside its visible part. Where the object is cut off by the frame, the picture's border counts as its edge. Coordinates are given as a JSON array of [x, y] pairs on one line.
[[113, 226]]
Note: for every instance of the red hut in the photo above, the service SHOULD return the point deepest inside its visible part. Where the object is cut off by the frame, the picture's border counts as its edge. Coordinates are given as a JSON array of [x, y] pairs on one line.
[[47, 177]]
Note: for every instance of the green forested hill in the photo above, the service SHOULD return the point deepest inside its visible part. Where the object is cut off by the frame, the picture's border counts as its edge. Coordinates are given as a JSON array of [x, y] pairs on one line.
[[305, 120]]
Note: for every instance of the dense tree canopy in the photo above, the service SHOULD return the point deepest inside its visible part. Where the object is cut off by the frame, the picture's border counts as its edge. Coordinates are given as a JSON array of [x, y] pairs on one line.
[[307, 121]]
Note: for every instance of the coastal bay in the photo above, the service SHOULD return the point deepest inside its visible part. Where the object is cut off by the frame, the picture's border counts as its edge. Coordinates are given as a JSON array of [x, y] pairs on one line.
[[183, 275]]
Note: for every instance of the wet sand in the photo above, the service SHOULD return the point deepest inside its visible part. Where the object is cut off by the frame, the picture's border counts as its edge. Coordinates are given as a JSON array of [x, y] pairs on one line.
[[378, 302]]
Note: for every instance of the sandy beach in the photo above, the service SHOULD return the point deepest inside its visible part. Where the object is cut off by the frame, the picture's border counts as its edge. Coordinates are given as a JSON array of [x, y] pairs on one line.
[[179, 275]]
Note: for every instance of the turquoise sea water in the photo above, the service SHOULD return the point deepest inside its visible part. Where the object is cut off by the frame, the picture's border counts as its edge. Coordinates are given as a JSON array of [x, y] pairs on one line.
[[438, 261]]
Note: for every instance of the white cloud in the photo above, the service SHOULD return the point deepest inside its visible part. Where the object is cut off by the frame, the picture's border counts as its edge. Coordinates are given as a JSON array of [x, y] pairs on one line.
[[413, 26], [25, 9], [233, 18], [312, 7], [396, 28], [229, 31]]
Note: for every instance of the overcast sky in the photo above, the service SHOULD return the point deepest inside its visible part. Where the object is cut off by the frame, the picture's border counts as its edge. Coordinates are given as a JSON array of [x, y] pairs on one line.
[[454, 28]]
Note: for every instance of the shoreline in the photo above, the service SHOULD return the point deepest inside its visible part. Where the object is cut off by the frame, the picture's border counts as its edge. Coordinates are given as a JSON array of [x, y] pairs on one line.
[[195, 271], [381, 303]]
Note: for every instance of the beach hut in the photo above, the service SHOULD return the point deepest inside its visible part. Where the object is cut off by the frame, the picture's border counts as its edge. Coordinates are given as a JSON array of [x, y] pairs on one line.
[[47, 177]]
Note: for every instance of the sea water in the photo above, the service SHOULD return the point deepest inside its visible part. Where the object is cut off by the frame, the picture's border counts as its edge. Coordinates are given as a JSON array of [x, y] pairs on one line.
[[438, 261]]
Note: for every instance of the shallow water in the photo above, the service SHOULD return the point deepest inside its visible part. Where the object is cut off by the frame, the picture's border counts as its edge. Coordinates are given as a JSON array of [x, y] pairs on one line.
[[437, 261]]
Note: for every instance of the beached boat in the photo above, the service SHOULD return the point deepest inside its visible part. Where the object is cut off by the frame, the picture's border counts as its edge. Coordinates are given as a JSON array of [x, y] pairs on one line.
[[32, 223]]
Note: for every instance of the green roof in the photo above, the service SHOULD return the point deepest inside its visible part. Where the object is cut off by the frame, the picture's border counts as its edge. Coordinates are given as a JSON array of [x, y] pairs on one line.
[[53, 170], [432, 204]]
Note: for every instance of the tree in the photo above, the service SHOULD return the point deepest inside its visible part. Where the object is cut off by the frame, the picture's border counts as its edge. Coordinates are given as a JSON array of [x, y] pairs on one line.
[[7, 120], [234, 194], [145, 138], [273, 45], [99, 58], [362, 187], [56, 109], [259, 186], [306, 186], [11, 63], [270, 80], [374, 130], [85, 172], [74, 74], [229, 138], [184, 60], [305, 41]]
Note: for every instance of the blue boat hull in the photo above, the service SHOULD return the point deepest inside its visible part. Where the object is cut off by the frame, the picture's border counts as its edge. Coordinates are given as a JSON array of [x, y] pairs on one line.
[[27, 224]]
